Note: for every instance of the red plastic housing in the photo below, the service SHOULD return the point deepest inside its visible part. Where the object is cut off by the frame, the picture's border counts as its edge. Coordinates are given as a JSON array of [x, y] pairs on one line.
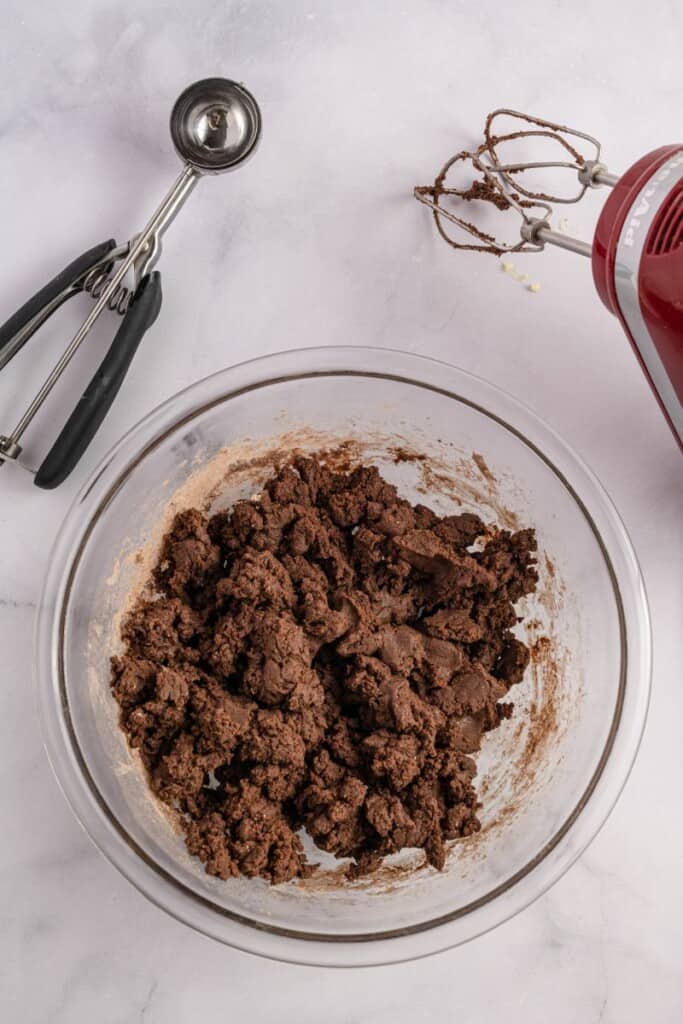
[[660, 273]]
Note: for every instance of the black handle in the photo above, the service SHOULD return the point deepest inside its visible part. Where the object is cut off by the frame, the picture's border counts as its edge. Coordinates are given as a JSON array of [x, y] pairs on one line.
[[52, 289], [94, 404]]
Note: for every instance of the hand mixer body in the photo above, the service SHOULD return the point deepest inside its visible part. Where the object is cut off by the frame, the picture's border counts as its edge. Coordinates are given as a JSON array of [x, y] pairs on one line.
[[637, 262], [637, 251]]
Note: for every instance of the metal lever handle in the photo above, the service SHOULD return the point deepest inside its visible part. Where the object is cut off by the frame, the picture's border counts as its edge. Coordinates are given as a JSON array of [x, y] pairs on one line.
[[16, 331], [96, 400], [159, 220]]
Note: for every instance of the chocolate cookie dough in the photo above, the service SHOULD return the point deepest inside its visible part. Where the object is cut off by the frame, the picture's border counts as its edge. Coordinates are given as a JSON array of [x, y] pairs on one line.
[[326, 657]]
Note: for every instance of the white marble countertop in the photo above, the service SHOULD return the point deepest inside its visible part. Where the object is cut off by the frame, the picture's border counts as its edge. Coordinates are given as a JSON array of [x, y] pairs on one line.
[[317, 241]]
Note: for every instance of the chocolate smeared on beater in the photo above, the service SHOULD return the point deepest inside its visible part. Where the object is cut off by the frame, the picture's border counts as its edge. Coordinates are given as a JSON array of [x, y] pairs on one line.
[[486, 185], [482, 189], [325, 657]]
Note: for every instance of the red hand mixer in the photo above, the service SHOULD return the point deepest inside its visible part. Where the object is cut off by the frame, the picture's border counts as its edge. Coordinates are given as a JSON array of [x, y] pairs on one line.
[[637, 249]]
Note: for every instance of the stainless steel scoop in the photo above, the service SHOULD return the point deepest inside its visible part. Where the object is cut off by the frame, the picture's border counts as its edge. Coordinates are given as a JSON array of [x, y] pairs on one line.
[[215, 126]]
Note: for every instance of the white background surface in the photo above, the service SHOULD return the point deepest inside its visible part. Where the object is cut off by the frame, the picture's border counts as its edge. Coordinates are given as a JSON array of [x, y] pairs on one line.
[[318, 241]]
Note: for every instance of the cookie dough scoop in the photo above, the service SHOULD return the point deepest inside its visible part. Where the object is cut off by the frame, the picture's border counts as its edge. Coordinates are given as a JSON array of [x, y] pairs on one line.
[[215, 125]]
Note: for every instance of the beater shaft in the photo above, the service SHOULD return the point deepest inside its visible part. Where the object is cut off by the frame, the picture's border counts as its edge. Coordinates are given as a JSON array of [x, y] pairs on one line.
[[539, 232]]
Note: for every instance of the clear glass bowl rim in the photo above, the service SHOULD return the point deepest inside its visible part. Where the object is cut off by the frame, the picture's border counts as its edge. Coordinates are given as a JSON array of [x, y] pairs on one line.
[[581, 826]]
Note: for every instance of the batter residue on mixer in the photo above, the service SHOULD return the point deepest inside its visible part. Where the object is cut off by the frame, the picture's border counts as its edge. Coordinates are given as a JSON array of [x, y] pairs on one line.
[[326, 657]]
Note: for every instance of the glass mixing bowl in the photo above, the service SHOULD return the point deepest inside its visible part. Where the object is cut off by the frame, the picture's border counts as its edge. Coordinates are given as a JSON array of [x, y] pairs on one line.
[[548, 777]]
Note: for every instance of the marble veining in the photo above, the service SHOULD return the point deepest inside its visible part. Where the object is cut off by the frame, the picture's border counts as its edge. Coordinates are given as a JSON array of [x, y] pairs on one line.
[[317, 241]]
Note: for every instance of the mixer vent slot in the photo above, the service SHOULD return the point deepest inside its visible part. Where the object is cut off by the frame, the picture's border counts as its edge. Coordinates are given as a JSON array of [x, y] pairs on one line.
[[667, 231]]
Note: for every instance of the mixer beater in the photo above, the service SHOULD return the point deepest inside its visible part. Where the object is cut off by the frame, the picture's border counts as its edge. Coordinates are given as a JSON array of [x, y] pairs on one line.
[[637, 248]]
